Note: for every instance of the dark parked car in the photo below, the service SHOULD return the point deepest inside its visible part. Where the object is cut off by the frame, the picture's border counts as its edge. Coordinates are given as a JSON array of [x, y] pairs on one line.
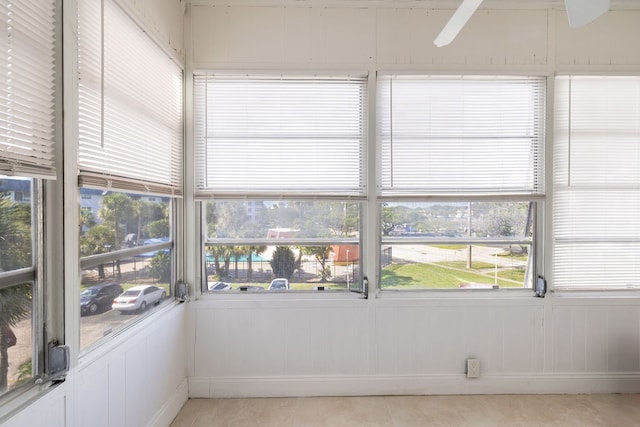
[[98, 297]]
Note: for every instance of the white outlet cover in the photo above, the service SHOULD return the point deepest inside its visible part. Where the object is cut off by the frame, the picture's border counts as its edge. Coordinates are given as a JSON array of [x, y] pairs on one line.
[[473, 368]]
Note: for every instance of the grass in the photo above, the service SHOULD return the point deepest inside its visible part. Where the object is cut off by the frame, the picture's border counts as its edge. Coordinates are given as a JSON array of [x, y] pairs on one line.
[[519, 257], [451, 247], [516, 274], [431, 276], [475, 265]]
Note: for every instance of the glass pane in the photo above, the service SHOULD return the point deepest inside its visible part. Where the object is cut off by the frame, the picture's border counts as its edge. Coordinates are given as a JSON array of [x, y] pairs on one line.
[[112, 222], [456, 245], [16, 336], [16, 242], [462, 220], [116, 293], [263, 267], [455, 266], [282, 219]]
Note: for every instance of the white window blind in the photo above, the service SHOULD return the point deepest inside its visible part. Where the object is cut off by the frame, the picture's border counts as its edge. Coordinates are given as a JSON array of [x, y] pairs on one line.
[[130, 105], [27, 89], [471, 135], [596, 203], [280, 135]]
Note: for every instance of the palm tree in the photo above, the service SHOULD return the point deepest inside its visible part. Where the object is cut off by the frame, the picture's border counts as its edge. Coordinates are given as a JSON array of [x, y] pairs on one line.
[[248, 251], [115, 208], [141, 210], [15, 305], [15, 253]]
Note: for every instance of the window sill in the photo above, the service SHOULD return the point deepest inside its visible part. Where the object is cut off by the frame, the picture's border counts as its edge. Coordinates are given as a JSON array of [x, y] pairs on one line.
[[595, 294], [280, 295], [454, 294]]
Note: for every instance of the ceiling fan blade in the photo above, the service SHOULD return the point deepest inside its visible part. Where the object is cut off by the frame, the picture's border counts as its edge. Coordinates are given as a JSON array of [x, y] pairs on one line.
[[581, 12], [457, 21]]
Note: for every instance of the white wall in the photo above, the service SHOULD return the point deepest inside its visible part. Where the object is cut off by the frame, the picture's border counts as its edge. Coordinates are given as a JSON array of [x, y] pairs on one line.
[[138, 376], [269, 346], [136, 379]]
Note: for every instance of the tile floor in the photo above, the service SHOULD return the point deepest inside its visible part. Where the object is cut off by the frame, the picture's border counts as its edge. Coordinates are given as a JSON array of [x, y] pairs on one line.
[[617, 410]]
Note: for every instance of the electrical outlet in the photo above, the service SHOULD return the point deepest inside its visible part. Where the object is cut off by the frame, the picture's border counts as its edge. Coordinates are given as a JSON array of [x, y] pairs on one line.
[[473, 368]]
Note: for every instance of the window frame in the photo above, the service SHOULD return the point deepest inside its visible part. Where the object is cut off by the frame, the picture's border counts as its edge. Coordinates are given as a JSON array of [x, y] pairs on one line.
[[90, 261], [35, 277]]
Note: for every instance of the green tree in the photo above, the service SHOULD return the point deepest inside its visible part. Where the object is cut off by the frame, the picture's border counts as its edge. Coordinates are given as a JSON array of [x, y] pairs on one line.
[[15, 253], [97, 241], [321, 254], [156, 229], [253, 250], [160, 266], [15, 235], [224, 254], [141, 210], [87, 219], [15, 305], [389, 219], [116, 207], [283, 262]]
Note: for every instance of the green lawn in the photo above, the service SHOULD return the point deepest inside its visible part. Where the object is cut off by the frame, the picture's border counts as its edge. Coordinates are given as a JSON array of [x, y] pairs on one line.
[[475, 265], [431, 276]]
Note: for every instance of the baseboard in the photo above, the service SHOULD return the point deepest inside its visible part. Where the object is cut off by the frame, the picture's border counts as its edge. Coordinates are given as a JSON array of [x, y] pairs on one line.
[[556, 383], [165, 415]]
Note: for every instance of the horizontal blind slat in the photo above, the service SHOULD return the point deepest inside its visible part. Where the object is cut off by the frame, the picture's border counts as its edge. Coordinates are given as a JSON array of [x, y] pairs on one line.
[[27, 91], [596, 182], [130, 118], [280, 135]]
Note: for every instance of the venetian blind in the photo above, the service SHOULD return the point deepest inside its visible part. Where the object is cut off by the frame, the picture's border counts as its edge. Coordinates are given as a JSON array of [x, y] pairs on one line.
[[469, 135], [27, 92], [130, 105], [280, 135], [596, 202]]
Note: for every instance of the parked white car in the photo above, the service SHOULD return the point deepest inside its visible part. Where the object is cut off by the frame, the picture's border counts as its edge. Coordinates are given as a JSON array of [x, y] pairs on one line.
[[138, 298]]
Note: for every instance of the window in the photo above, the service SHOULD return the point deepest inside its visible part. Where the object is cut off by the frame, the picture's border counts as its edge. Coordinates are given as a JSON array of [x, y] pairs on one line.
[[18, 287], [128, 192], [460, 167], [261, 245], [283, 158], [27, 158], [127, 246], [596, 175]]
